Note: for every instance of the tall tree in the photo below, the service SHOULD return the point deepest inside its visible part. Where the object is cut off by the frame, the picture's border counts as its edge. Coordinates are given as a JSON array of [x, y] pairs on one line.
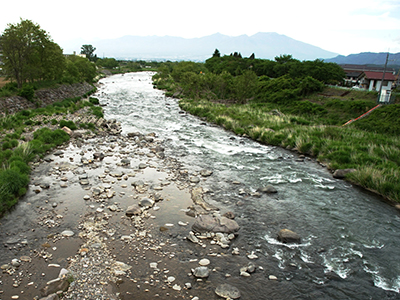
[[88, 50], [29, 53], [216, 53]]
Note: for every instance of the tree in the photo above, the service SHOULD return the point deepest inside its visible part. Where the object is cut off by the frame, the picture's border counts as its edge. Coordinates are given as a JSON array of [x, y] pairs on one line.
[[30, 54], [216, 53], [88, 50]]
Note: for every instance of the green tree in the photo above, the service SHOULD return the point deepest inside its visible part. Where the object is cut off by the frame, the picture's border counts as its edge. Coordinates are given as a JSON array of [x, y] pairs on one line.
[[88, 50], [30, 54], [216, 53]]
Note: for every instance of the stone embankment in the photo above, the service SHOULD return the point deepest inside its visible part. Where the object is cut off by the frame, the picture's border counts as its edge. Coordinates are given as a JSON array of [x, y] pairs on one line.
[[44, 97]]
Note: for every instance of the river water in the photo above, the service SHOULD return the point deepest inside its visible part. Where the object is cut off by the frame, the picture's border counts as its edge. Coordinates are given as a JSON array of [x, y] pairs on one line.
[[350, 238]]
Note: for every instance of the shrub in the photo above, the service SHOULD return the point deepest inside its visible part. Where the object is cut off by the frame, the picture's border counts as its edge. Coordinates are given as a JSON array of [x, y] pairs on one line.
[[11, 181], [28, 92], [94, 101], [70, 124]]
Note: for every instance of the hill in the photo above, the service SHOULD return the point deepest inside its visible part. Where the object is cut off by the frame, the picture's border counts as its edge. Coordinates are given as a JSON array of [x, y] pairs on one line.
[[367, 58], [263, 45]]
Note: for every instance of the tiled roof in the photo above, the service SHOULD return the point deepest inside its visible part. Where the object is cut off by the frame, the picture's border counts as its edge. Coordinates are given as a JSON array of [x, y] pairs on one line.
[[378, 75]]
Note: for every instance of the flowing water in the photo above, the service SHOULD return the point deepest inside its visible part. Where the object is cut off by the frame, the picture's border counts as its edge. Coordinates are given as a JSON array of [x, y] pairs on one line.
[[350, 238]]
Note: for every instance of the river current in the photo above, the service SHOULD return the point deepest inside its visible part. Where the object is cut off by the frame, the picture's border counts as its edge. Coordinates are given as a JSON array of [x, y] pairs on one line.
[[350, 237]]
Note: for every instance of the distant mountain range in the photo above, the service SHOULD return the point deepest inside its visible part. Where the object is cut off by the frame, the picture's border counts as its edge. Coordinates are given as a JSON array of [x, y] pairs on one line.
[[263, 45], [367, 58]]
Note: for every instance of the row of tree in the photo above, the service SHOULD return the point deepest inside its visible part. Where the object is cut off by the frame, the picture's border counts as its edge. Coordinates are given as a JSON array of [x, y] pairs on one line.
[[237, 79], [30, 55]]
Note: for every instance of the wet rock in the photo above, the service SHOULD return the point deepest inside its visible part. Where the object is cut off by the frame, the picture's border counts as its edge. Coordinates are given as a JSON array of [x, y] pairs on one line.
[[288, 236], [227, 291], [67, 233], [269, 189], [125, 161], [204, 262], [208, 223], [54, 286], [201, 272], [98, 155], [142, 166], [133, 210], [206, 173], [51, 297], [341, 173], [229, 215], [193, 238], [146, 202], [194, 179]]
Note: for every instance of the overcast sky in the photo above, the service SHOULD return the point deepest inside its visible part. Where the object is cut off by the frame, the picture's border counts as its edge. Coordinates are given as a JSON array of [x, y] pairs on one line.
[[341, 26]]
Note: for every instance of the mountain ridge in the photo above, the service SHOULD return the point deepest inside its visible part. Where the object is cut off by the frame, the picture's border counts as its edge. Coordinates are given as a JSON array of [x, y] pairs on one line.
[[265, 45]]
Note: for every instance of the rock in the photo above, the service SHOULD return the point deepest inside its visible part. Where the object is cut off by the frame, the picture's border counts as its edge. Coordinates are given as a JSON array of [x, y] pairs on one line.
[[252, 255], [272, 277], [146, 202], [133, 210], [98, 155], [142, 166], [176, 287], [125, 161], [51, 297], [16, 262], [193, 238], [206, 173], [201, 272], [54, 286], [208, 223], [288, 236], [341, 173], [67, 233], [194, 179], [229, 215], [269, 189], [227, 291], [67, 130], [204, 262]]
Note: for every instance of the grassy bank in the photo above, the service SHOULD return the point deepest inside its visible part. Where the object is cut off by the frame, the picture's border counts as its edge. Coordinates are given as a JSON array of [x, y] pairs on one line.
[[21, 142], [375, 154]]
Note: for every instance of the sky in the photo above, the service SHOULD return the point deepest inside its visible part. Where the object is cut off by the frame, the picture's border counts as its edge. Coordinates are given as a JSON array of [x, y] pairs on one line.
[[341, 26]]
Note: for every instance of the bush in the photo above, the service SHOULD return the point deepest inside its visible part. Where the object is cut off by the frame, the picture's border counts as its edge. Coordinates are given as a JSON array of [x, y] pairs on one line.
[[70, 124], [94, 101], [28, 92]]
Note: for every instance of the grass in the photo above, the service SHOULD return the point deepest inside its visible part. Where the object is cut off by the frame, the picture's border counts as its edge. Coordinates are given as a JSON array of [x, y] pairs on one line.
[[16, 154], [374, 152]]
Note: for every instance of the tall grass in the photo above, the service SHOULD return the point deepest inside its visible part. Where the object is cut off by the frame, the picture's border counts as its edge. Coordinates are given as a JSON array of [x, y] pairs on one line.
[[376, 156]]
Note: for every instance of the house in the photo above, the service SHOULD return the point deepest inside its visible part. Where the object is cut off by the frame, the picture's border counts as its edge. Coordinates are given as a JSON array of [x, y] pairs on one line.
[[371, 80], [353, 72], [74, 54]]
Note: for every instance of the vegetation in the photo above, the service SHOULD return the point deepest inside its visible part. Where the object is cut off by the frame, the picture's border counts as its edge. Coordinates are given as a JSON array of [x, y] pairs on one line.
[[32, 60], [287, 103], [16, 153], [88, 50]]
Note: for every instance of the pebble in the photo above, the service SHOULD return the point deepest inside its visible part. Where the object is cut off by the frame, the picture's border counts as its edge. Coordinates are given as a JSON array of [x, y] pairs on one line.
[[204, 262], [252, 255], [177, 287], [67, 233]]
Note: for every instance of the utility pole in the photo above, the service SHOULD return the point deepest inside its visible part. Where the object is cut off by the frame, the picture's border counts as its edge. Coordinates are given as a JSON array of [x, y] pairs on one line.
[[383, 77]]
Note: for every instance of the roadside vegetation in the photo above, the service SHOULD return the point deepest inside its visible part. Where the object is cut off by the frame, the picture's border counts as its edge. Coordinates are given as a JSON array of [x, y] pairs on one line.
[[295, 105]]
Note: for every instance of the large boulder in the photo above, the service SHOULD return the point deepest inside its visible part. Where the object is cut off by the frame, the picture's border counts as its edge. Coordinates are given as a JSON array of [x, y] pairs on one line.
[[209, 223], [288, 236]]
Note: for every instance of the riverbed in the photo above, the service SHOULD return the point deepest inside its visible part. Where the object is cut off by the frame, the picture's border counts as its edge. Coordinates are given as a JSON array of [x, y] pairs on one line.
[[349, 237]]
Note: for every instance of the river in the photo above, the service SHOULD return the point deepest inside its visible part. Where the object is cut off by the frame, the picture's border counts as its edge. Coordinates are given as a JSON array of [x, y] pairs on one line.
[[350, 237]]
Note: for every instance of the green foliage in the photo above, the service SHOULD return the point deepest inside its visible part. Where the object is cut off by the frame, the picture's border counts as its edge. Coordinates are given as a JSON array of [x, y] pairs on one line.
[[94, 101], [30, 54], [88, 50], [108, 63], [27, 91], [70, 124]]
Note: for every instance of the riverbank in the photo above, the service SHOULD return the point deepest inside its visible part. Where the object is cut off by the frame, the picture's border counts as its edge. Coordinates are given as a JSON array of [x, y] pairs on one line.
[[113, 215]]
